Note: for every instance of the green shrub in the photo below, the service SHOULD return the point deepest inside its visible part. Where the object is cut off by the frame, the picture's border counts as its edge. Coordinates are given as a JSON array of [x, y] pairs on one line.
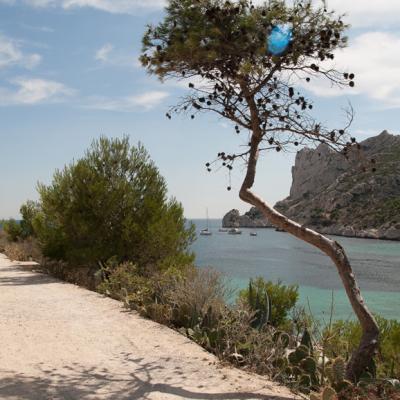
[[112, 203], [275, 299], [193, 302], [29, 212], [345, 335], [18, 231], [124, 283], [176, 298], [13, 229]]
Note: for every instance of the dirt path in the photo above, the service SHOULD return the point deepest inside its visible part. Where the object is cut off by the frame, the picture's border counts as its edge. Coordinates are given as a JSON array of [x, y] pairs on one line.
[[59, 341]]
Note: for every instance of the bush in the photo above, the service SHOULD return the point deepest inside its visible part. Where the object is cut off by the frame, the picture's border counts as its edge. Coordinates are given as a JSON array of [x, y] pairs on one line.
[[112, 203], [18, 231], [85, 276], [193, 301], [3, 239], [272, 302], [176, 298], [124, 283], [29, 211], [13, 230], [344, 336], [200, 294], [23, 250]]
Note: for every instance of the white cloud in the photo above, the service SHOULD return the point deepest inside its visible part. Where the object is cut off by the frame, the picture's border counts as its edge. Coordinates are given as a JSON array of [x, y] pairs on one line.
[[116, 6], [104, 52], [362, 13], [107, 55], [145, 101], [112, 6], [11, 54], [374, 58], [34, 91]]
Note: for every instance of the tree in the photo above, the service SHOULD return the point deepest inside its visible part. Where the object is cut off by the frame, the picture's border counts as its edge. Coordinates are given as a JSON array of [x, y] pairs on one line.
[[23, 229], [112, 203], [224, 45], [13, 229], [28, 211]]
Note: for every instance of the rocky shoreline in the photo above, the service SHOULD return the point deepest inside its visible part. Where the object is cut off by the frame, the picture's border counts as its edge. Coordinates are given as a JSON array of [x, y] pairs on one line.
[[359, 197], [233, 219], [392, 233]]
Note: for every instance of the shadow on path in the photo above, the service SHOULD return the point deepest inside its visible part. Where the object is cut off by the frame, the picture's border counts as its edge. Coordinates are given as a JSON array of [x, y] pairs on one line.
[[25, 275], [77, 382]]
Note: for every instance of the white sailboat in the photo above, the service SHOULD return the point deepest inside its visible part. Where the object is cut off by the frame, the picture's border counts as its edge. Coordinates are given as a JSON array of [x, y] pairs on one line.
[[206, 231]]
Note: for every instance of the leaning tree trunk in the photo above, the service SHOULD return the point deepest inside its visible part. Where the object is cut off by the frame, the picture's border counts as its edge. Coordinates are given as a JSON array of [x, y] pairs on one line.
[[363, 355]]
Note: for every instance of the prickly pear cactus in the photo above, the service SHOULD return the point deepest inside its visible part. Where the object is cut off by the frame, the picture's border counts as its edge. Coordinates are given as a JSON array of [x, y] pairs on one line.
[[299, 354], [309, 365], [338, 369], [306, 340], [281, 338], [305, 382], [336, 372], [328, 393]]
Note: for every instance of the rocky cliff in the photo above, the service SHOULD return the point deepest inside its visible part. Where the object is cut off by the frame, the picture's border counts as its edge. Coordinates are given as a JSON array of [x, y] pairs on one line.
[[359, 197], [252, 219]]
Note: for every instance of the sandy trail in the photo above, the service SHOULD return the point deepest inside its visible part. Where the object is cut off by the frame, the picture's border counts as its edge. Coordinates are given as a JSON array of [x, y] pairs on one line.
[[59, 341]]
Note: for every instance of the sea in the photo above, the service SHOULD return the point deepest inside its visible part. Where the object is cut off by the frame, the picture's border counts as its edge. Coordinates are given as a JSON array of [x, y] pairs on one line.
[[277, 256]]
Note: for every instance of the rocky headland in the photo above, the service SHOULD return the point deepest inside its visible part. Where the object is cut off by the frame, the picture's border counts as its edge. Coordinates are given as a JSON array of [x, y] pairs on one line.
[[359, 197], [252, 219]]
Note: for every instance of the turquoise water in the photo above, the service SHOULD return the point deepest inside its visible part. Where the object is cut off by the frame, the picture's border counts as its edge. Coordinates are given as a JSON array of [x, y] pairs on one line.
[[279, 256]]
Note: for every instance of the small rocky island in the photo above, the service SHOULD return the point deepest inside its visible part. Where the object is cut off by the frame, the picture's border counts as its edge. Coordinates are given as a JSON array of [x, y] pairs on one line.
[[356, 198], [252, 219]]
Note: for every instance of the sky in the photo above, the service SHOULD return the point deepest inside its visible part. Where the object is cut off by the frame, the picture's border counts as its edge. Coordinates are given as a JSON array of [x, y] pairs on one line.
[[69, 73]]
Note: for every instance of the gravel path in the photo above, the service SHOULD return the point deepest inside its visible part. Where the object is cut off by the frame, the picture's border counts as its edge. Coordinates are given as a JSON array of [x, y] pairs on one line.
[[59, 341]]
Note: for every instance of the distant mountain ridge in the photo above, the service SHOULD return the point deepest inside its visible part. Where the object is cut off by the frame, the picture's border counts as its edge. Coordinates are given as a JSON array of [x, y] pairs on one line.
[[357, 198]]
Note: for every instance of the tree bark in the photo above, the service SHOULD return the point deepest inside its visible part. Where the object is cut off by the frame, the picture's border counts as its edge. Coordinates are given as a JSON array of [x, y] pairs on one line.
[[361, 358]]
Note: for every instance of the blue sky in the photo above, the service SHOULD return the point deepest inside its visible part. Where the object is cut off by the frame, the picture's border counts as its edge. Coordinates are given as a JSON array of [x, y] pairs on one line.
[[69, 73]]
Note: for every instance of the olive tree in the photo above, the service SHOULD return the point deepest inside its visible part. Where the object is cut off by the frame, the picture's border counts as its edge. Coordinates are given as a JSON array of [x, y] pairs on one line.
[[223, 44]]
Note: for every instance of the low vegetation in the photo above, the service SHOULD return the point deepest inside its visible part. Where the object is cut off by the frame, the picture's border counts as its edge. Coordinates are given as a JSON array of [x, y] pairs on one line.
[[263, 331], [144, 260]]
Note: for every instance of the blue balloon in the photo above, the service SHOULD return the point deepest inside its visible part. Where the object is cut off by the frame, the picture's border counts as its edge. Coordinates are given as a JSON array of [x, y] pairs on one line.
[[279, 39]]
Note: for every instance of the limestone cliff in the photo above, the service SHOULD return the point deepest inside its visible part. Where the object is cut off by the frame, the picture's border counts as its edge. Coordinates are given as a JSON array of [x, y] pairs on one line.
[[336, 196]]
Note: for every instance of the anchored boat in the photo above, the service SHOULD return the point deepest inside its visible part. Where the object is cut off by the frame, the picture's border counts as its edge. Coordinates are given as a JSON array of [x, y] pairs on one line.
[[206, 231]]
